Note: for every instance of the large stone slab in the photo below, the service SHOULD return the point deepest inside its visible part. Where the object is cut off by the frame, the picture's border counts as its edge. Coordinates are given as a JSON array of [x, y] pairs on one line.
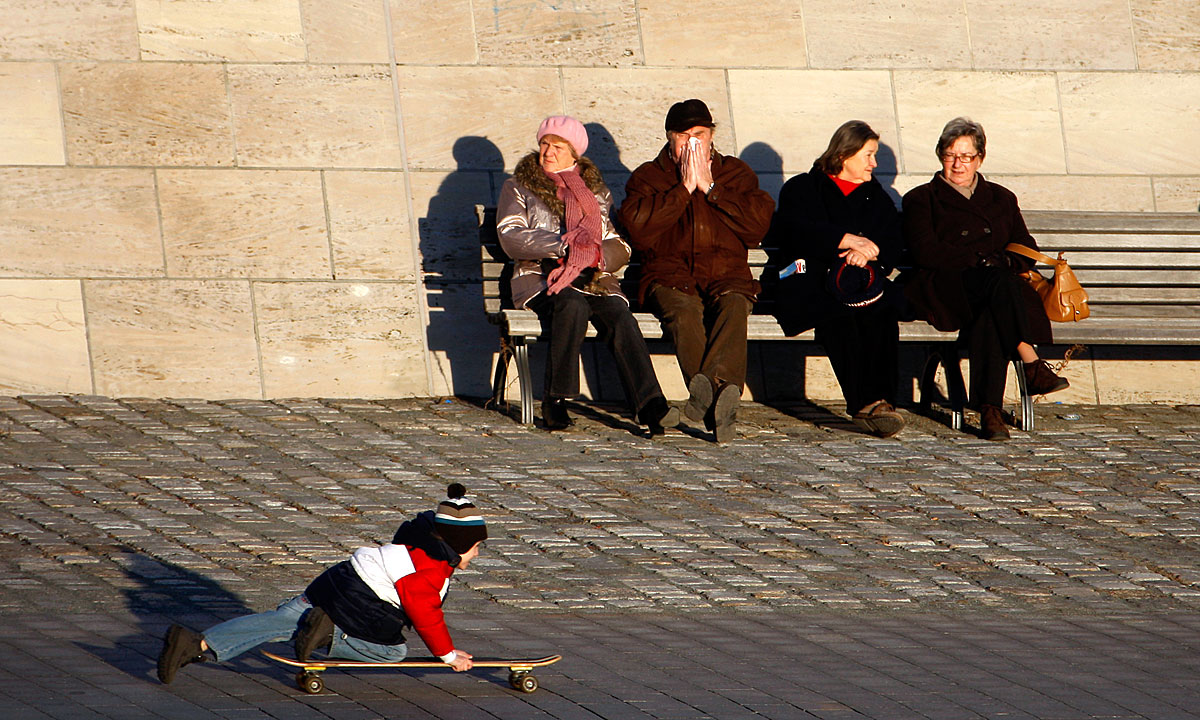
[[444, 204], [1035, 35], [244, 223], [433, 32], [1018, 111], [779, 121], [1121, 123], [45, 337], [474, 118], [344, 31], [30, 115], [369, 225], [230, 30], [722, 33], [887, 34], [355, 339], [624, 109], [68, 30], [146, 114], [582, 32], [69, 222], [1167, 34], [341, 116], [1177, 194], [172, 338], [1080, 192]]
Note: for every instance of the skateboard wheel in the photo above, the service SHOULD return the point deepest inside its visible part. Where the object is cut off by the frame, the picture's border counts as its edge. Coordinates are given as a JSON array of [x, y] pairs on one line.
[[310, 683], [523, 681]]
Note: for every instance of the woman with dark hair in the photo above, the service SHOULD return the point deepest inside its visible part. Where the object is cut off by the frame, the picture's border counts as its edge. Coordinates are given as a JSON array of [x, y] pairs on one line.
[[839, 232], [553, 220], [957, 226]]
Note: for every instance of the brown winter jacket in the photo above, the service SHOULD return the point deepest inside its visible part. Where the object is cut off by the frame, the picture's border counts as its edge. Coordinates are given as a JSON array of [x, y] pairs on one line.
[[947, 234], [694, 242]]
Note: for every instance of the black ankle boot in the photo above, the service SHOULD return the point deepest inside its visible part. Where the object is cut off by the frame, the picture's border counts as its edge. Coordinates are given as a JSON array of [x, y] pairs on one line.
[[554, 414], [657, 415]]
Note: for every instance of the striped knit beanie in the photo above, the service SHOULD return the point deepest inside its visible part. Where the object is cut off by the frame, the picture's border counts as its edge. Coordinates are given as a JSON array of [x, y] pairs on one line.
[[458, 520]]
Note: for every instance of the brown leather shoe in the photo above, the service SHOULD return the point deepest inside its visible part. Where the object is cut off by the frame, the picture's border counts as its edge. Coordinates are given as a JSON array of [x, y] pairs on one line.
[[1041, 380], [880, 419], [992, 425]]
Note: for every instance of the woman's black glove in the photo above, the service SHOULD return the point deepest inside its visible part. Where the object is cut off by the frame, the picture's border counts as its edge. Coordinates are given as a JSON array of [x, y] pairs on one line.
[[1001, 260]]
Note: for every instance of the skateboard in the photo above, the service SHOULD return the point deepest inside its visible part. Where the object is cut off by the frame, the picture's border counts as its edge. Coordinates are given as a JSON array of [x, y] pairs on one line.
[[309, 677]]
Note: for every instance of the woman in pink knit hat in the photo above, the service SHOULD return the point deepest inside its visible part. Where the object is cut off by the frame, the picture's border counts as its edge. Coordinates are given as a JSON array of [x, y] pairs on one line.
[[553, 221]]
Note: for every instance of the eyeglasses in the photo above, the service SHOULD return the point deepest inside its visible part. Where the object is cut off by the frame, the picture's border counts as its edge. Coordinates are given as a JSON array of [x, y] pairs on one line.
[[964, 158]]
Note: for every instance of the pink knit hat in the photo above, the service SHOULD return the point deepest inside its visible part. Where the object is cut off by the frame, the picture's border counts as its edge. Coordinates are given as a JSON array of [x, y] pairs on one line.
[[567, 128]]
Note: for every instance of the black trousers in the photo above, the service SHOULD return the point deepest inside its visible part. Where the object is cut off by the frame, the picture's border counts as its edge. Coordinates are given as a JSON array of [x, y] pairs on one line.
[[565, 317], [863, 348], [999, 322], [709, 332]]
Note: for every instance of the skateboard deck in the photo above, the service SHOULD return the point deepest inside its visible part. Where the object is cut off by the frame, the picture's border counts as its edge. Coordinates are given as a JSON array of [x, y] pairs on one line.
[[309, 677]]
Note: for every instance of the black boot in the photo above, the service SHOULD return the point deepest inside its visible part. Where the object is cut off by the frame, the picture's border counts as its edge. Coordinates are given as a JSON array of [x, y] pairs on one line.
[[180, 647], [315, 631], [657, 415], [554, 414]]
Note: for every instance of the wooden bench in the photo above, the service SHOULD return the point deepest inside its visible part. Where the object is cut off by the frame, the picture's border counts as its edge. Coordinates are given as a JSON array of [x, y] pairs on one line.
[[1141, 271]]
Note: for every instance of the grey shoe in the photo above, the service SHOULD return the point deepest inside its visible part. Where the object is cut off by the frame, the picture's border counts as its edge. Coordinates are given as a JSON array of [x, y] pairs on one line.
[[724, 412], [700, 397]]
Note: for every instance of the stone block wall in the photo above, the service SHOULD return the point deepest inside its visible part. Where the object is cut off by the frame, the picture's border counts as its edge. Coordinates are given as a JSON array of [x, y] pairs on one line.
[[267, 198]]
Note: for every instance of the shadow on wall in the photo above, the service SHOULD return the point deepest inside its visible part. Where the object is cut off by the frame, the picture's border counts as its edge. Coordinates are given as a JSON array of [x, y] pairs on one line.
[[767, 164], [887, 171], [461, 342]]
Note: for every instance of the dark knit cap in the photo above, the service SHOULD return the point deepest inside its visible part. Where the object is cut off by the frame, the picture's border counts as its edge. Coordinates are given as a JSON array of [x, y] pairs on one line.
[[688, 114], [458, 520]]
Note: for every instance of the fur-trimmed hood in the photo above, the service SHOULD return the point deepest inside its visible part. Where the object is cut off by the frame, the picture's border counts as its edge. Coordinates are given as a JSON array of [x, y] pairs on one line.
[[530, 174]]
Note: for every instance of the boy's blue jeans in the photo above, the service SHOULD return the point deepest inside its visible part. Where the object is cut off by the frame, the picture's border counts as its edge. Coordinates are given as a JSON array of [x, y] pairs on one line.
[[234, 637]]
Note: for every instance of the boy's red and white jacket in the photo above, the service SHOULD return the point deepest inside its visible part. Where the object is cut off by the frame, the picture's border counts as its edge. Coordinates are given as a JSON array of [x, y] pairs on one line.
[[413, 581], [380, 590]]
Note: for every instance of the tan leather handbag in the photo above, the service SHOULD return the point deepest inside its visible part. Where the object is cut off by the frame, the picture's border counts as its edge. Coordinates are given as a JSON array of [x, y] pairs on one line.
[[1065, 299]]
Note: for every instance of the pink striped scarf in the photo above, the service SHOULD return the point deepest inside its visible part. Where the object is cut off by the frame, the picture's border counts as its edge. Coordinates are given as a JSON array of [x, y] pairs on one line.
[[583, 231]]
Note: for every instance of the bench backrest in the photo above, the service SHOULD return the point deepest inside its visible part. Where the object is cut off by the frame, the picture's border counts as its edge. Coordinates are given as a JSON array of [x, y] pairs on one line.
[[1122, 259]]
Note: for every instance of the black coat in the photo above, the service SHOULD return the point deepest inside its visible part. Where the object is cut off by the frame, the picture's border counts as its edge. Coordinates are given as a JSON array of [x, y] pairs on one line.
[[948, 233], [812, 218]]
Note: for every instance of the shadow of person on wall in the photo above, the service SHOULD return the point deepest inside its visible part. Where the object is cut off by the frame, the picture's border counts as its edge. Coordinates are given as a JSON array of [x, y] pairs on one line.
[[887, 170], [461, 343]]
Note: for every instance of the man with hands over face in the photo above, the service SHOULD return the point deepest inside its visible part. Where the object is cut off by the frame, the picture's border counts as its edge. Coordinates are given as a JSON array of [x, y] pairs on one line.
[[693, 214]]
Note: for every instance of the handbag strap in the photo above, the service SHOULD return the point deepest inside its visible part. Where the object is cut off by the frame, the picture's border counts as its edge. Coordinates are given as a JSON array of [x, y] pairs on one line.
[[1029, 252]]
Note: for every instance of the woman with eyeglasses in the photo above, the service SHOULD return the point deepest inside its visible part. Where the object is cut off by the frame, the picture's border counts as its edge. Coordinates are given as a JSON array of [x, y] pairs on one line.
[[956, 226]]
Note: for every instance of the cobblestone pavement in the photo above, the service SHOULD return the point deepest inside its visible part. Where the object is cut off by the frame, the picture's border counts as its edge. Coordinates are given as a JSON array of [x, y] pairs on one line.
[[804, 570]]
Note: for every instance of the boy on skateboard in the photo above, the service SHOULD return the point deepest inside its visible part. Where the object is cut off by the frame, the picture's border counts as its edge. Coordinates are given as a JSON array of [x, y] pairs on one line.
[[358, 608]]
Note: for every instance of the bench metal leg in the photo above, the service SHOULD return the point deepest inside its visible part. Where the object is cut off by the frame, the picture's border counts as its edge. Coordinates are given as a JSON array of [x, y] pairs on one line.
[[1026, 419], [500, 379], [521, 353]]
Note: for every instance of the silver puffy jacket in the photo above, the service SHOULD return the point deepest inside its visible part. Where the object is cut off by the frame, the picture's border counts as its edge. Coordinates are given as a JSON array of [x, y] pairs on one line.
[[530, 233]]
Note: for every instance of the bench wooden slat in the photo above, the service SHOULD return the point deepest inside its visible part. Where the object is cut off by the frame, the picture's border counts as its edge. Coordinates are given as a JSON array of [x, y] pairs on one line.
[[1072, 242], [1047, 221], [1131, 259]]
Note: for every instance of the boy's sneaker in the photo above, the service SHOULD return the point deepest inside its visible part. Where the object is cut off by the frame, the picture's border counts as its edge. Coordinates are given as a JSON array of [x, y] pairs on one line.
[[180, 647]]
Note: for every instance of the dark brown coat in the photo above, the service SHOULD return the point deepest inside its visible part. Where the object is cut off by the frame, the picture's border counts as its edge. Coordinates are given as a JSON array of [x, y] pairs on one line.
[[693, 242], [948, 233]]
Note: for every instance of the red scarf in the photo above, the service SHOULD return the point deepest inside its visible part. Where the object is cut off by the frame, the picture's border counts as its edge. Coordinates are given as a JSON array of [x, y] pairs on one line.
[[582, 229]]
